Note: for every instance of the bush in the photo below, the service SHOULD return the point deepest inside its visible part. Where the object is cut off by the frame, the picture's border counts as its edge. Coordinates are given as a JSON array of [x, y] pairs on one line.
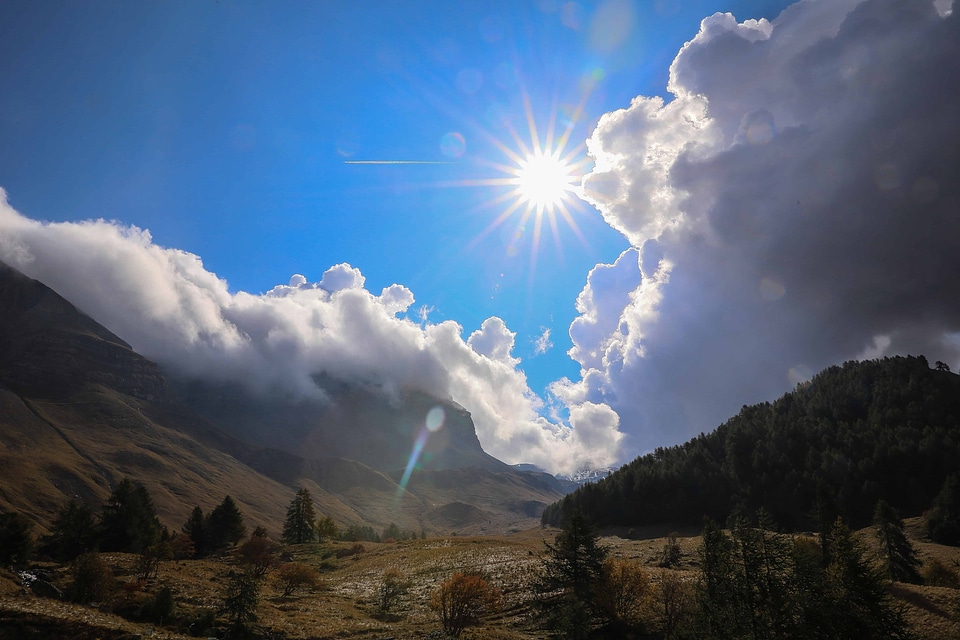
[[671, 552], [160, 607], [295, 575], [625, 592], [393, 587], [92, 579], [937, 574], [462, 600], [16, 543], [259, 553]]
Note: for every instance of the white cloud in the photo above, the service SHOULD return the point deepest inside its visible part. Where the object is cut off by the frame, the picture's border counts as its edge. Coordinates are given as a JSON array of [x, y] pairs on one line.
[[170, 308], [543, 343], [795, 205]]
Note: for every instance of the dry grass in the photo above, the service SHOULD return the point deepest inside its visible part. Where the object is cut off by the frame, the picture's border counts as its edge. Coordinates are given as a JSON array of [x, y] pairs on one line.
[[345, 606]]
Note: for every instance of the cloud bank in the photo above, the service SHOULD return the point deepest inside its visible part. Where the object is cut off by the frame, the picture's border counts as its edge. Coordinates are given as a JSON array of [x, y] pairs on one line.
[[171, 309], [794, 205]]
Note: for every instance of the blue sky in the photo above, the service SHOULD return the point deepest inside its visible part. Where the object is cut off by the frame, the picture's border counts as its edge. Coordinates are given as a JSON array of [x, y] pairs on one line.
[[222, 127], [775, 196]]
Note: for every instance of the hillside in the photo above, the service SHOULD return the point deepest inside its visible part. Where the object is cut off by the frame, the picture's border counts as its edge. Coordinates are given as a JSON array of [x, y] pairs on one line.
[[80, 410], [883, 429]]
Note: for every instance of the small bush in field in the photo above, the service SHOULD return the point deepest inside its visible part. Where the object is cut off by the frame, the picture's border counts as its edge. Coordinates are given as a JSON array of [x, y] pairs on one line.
[[295, 575], [393, 587], [259, 553], [462, 600], [625, 592], [937, 574]]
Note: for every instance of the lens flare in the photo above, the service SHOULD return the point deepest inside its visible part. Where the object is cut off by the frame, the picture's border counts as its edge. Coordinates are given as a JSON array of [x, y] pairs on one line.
[[433, 423]]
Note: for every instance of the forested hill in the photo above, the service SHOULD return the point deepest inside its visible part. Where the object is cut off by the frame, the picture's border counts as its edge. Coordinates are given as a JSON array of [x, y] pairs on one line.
[[863, 431]]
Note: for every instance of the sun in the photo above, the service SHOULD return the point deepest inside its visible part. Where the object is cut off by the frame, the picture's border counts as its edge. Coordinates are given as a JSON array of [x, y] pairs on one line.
[[544, 180]]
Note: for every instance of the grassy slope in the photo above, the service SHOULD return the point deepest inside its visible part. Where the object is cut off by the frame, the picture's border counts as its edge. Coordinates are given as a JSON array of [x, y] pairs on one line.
[[345, 606]]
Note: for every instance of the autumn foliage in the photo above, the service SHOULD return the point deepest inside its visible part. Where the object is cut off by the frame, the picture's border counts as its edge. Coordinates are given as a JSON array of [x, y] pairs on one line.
[[462, 600]]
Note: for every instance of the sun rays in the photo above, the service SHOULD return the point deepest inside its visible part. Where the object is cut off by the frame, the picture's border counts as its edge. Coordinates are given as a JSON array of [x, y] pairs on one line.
[[538, 181]]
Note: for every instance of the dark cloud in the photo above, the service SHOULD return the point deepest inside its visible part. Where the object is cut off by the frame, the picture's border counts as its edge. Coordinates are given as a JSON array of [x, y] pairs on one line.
[[808, 210]]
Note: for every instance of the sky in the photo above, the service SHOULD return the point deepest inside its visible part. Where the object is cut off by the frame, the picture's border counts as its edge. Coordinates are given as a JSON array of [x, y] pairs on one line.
[[261, 192]]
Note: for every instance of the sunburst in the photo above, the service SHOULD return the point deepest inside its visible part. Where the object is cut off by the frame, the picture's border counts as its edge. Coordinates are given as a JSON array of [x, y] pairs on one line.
[[542, 178]]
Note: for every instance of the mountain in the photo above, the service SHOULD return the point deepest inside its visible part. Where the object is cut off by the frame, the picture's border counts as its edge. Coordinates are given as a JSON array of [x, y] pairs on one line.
[[80, 410], [882, 429]]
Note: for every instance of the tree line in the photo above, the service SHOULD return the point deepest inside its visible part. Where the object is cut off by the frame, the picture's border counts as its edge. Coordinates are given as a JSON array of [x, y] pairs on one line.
[[882, 429], [751, 583]]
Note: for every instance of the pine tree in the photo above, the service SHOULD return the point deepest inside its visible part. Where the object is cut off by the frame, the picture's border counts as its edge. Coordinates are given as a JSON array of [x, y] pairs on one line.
[[943, 521], [195, 528], [225, 525], [861, 604], [241, 600], [128, 521], [717, 597], [896, 551], [74, 532], [298, 527], [571, 572]]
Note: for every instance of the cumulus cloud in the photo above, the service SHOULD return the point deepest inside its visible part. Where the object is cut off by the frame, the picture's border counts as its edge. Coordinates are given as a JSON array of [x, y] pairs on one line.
[[793, 206], [170, 308]]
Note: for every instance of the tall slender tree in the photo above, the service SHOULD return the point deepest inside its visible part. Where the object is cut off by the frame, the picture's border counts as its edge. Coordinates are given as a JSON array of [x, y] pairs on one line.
[[299, 526], [195, 528], [569, 579], [896, 551]]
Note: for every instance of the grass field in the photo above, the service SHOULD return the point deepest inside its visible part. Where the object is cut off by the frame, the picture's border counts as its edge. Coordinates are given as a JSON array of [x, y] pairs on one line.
[[344, 606]]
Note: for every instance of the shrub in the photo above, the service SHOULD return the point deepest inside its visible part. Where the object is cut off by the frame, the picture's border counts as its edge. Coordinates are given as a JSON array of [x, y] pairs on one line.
[[159, 607], [16, 542], [393, 587], [671, 552], [625, 592], [938, 574], [462, 600], [259, 553], [295, 575], [92, 579]]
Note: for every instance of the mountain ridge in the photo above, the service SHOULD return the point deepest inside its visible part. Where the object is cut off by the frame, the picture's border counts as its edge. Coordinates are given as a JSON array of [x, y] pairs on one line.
[[82, 409], [857, 433]]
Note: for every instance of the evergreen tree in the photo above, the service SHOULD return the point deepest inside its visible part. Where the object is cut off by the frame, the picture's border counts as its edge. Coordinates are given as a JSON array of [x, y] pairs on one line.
[[195, 528], [861, 605], [943, 520], [128, 521], [225, 525], [241, 600], [571, 572], [16, 541], [717, 596], [74, 532], [299, 527], [896, 551]]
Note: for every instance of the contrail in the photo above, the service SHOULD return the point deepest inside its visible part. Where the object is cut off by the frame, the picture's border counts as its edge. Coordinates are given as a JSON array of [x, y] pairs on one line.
[[395, 162]]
